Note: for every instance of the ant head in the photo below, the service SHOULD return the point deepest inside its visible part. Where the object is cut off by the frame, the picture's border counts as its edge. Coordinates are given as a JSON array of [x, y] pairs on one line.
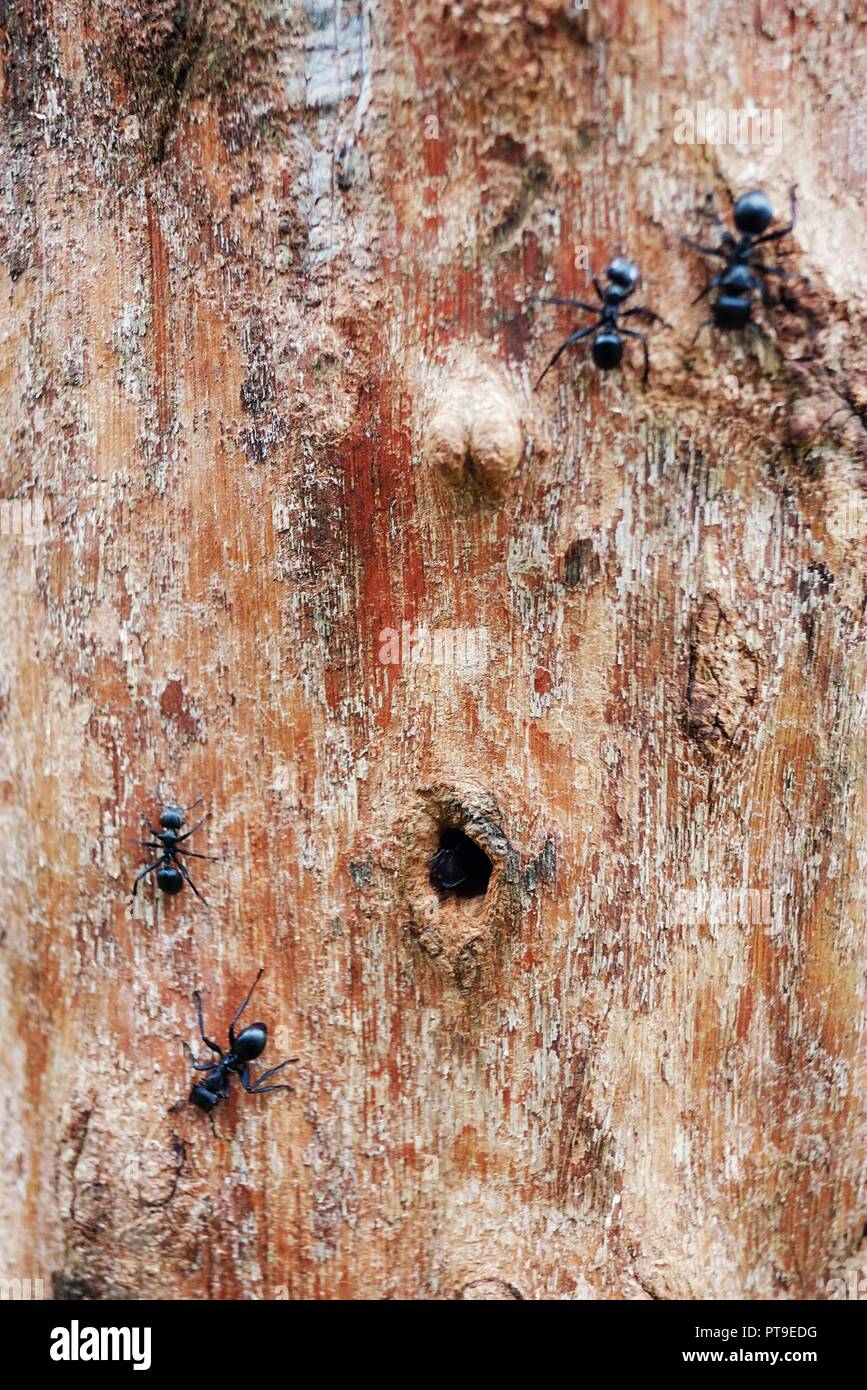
[[623, 273], [753, 213], [251, 1043], [172, 818]]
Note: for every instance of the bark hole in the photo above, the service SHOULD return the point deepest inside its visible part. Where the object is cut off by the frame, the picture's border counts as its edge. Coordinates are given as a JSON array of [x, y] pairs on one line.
[[460, 867], [461, 883]]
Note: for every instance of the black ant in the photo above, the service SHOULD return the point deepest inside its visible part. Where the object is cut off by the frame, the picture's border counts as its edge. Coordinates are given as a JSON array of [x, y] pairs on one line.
[[741, 275], [244, 1049], [623, 277], [171, 870]]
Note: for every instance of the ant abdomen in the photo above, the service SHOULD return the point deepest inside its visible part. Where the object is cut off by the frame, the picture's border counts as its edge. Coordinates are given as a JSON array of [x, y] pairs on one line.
[[607, 350], [729, 311], [252, 1042], [753, 213], [169, 880]]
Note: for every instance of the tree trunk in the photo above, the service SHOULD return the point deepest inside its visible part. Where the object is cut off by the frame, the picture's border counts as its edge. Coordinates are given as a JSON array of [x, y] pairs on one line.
[[269, 345]]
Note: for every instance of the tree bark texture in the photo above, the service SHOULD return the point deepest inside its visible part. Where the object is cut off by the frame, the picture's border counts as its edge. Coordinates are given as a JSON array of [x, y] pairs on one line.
[[269, 339]]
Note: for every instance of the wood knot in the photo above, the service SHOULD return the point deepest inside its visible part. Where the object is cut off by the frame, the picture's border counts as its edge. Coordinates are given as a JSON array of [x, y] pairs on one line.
[[474, 432]]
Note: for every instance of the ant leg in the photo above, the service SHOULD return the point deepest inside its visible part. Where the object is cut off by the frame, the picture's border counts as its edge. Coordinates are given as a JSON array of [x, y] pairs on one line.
[[773, 236], [631, 333], [575, 338], [170, 805], [784, 231], [149, 870], [257, 1088], [705, 250], [573, 303], [205, 1039], [272, 1071], [183, 868], [194, 1061], [705, 323], [243, 1006], [711, 285], [771, 270], [648, 314], [196, 827], [759, 280], [194, 854], [598, 288], [760, 333]]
